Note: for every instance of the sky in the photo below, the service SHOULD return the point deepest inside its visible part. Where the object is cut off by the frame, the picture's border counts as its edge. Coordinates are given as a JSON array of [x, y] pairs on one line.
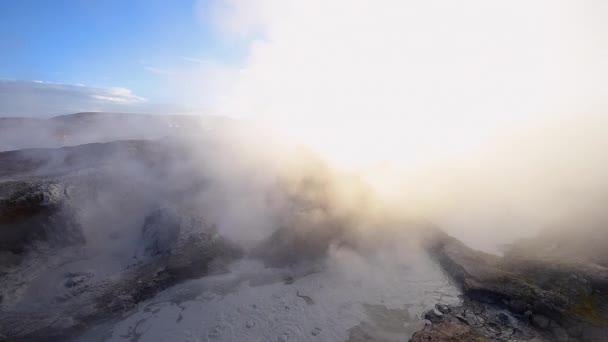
[[110, 46], [467, 97], [472, 64]]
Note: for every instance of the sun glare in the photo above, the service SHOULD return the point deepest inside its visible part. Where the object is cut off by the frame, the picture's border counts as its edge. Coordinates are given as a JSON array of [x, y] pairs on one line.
[[412, 83]]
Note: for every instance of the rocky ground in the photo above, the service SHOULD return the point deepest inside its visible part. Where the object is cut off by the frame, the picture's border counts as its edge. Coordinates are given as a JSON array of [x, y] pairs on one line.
[[65, 262], [89, 232], [518, 297]]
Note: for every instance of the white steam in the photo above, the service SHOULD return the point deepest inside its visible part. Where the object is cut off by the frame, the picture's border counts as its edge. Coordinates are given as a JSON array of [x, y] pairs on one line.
[[486, 116], [423, 79]]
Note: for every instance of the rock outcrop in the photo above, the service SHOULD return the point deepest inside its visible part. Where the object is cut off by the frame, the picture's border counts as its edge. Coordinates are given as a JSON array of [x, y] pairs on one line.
[[159, 235], [545, 298], [35, 212], [88, 232]]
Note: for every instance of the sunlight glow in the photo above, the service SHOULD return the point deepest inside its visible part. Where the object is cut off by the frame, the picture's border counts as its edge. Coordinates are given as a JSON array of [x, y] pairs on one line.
[[405, 81]]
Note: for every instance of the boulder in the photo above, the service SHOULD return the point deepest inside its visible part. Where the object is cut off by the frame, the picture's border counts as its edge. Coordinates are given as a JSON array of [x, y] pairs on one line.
[[159, 234], [557, 296], [35, 211]]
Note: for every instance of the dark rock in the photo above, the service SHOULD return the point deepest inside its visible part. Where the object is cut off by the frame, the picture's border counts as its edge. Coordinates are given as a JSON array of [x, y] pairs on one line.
[[502, 318], [517, 306], [442, 308], [447, 331], [540, 321], [76, 279], [558, 332], [299, 242], [543, 290], [35, 211], [160, 233], [434, 315], [473, 321], [575, 331]]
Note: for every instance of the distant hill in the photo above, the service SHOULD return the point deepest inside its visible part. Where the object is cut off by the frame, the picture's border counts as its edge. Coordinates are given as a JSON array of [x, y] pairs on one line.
[[89, 127]]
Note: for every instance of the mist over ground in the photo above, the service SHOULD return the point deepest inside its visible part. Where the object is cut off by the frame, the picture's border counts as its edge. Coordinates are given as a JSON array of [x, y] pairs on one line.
[[548, 177], [486, 118], [191, 195], [431, 171]]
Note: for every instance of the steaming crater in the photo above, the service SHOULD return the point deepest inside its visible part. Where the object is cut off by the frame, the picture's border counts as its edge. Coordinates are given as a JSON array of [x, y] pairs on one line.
[[348, 298], [99, 230], [128, 231], [196, 238]]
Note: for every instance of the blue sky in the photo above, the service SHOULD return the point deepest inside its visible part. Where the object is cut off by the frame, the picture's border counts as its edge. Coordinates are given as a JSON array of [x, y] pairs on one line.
[[108, 43]]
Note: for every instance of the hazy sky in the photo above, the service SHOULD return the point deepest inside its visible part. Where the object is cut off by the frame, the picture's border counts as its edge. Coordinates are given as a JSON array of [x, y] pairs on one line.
[[103, 46], [461, 59]]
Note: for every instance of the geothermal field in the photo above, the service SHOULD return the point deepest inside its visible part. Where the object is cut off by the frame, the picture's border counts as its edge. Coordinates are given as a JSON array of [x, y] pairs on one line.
[[195, 230], [304, 170]]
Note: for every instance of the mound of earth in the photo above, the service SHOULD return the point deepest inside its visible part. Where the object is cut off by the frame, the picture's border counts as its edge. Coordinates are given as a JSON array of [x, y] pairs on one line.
[[537, 298], [90, 231], [84, 235], [33, 211]]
